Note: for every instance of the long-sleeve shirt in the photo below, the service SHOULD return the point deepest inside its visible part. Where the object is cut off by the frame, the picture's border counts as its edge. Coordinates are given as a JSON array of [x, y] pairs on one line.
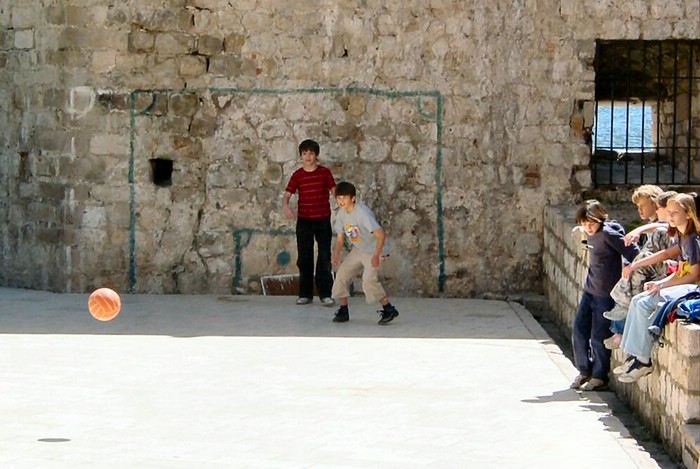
[[604, 263]]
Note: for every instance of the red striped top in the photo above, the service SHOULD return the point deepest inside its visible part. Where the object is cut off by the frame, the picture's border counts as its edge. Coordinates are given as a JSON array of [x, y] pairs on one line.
[[313, 186]]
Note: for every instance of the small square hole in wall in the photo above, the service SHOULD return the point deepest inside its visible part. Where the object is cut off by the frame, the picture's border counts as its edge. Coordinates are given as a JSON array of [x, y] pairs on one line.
[[162, 172]]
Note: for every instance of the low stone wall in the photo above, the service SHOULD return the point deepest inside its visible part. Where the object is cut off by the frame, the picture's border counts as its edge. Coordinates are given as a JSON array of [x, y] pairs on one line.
[[668, 400]]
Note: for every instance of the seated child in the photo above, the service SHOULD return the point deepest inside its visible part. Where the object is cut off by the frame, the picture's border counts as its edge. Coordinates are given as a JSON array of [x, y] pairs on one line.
[[657, 240], [636, 340]]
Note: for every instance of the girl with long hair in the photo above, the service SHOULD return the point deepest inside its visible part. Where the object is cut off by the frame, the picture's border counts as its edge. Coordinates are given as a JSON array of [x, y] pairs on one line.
[[636, 340]]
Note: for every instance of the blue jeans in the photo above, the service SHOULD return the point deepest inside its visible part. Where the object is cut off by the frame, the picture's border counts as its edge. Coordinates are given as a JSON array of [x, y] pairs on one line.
[[307, 232], [590, 330], [616, 327]]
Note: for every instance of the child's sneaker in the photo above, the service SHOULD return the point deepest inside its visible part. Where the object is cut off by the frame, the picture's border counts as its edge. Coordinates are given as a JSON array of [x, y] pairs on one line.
[[635, 371], [613, 342], [624, 367], [618, 313], [579, 381], [342, 315], [388, 313], [594, 384]]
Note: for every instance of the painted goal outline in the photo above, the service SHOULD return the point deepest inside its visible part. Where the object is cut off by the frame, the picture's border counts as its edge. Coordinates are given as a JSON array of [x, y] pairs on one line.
[[417, 95]]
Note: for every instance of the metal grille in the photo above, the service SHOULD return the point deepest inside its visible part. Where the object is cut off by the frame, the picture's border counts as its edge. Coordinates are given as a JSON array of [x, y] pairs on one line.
[[647, 113]]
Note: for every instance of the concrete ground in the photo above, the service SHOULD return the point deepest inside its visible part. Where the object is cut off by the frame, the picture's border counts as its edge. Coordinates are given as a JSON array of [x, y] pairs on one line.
[[251, 381]]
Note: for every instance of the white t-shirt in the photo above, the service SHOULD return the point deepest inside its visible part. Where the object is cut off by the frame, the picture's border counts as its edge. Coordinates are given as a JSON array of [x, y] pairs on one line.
[[358, 226]]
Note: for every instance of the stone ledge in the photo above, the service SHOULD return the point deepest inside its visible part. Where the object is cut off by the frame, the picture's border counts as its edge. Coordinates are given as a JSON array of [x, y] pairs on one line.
[[691, 445], [668, 400]]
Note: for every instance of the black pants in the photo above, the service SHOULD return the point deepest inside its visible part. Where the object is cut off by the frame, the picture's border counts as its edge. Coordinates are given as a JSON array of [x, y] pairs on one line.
[[320, 231]]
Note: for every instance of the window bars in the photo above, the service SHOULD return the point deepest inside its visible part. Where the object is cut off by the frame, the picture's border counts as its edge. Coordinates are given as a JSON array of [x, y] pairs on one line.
[[646, 128]]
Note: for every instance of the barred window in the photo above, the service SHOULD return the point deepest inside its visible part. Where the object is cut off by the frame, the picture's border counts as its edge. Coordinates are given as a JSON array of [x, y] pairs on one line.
[[647, 113]]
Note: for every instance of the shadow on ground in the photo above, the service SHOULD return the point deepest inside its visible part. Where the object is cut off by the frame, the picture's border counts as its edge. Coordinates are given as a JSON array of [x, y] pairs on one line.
[[605, 403]]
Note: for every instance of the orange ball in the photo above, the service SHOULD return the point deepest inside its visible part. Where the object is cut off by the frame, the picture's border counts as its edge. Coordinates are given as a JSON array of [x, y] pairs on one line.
[[104, 304]]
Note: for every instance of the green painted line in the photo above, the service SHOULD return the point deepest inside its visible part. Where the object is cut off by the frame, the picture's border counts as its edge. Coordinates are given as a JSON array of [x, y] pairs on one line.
[[437, 117], [438, 184], [132, 199], [241, 238], [275, 91]]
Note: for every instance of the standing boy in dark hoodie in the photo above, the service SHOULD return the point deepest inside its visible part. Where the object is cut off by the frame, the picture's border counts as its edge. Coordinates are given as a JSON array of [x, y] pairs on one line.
[[606, 243]]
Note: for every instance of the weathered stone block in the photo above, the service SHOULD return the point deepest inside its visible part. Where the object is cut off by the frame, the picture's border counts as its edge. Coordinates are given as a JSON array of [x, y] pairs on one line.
[[42, 211], [49, 235], [688, 339], [109, 144], [272, 174], [94, 216], [226, 65], [670, 334], [374, 150], [103, 61], [174, 43], [692, 377], [672, 10], [23, 17], [24, 39], [113, 101], [203, 125], [7, 39], [185, 104], [688, 407], [48, 140], [192, 66], [233, 43], [584, 178], [209, 45], [81, 16], [86, 39], [151, 103], [55, 14], [141, 41], [116, 18], [157, 20], [663, 358]]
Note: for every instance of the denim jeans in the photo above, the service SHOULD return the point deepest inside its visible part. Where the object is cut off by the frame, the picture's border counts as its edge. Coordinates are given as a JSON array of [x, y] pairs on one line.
[[616, 327], [590, 330], [636, 340], [307, 232]]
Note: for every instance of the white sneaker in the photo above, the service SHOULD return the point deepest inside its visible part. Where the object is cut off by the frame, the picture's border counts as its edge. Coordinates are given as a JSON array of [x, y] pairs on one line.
[[594, 384], [303, 301], [327, 302], [613, 342], [618, 313], [624, 367], [635, 371]]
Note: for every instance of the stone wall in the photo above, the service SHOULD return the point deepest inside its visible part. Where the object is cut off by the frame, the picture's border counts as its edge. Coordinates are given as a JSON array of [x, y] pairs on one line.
[[668, 400], [458, 121]]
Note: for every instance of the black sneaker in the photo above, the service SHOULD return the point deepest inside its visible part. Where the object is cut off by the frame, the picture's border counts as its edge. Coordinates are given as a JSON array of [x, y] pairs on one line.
[[342, 315], [388, 315]]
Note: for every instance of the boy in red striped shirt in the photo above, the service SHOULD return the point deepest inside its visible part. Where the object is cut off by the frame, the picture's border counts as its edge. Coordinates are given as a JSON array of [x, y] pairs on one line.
[[314, 184]]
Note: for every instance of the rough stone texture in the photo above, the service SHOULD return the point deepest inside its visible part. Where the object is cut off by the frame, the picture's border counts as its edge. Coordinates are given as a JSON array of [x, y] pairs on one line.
[[668, 400], [459, 122]]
